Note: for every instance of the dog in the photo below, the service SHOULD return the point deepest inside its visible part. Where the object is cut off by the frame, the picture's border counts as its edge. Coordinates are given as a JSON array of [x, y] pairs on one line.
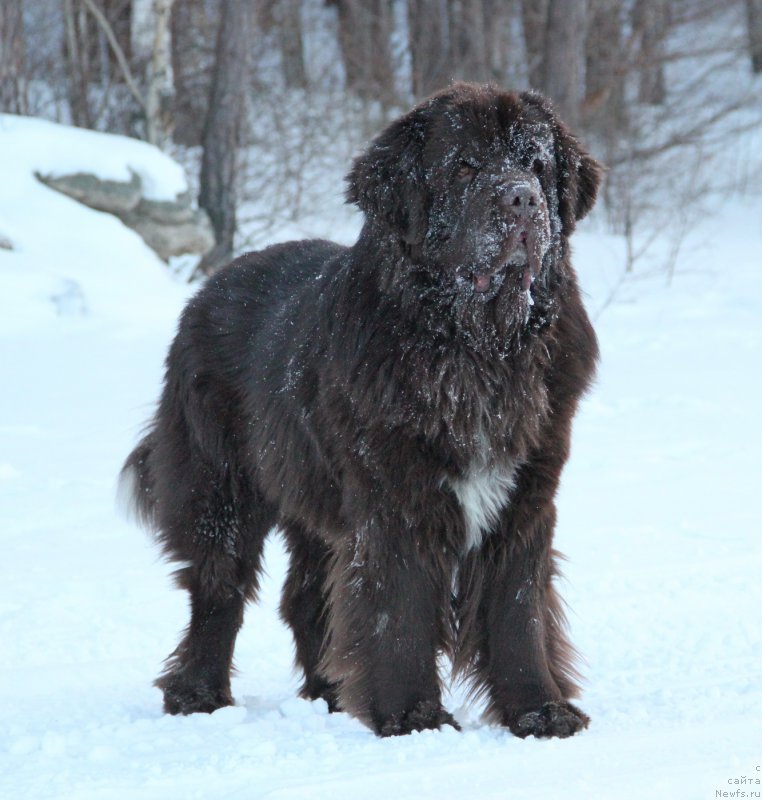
[[401, 410]]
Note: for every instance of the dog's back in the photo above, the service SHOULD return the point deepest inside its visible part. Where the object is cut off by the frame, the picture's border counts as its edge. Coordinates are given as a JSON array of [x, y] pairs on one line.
[[225, 350]]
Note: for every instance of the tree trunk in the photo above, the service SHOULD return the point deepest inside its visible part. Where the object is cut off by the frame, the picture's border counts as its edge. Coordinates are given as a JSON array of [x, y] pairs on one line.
[[468, 40], [498, 39], [650, 19], [222, 129], [190, 38], [288, 19], [160, 87], [563, 62], [604, 103], [365, 28], [754, 26], [141, 31], [75, 55], [534, 20], [13, 89], [119, 15], [427, 32], [381, 27]]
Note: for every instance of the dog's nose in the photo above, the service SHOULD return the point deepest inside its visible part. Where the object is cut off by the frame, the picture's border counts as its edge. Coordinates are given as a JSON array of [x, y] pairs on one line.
[[520, 198]]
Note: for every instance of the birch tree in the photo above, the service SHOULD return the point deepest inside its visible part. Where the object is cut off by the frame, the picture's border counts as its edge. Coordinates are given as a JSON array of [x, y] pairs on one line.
[[150, 41], [160, 87]]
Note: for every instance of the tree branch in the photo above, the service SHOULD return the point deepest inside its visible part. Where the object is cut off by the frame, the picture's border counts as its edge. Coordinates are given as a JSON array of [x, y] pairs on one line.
[[118, 52]]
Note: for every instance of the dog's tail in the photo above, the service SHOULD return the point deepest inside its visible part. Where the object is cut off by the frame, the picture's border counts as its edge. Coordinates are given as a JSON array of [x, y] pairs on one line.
[[135, 489]]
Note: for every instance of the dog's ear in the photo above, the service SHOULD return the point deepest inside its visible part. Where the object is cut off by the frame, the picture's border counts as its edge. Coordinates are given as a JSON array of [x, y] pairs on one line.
[[387, 181], [579, 174], [589, 177]]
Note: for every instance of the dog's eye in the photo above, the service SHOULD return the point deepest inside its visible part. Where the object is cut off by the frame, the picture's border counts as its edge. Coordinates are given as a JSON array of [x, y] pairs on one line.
[[466, 171], [538, 167]]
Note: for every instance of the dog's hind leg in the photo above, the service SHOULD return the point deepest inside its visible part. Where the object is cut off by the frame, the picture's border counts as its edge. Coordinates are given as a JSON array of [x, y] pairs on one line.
[[303, 608], [222, 541]]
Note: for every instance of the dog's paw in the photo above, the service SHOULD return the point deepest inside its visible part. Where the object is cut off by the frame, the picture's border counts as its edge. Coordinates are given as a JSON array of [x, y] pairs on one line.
[[425, 715], [319, 687], [183, 696], [557, 719]]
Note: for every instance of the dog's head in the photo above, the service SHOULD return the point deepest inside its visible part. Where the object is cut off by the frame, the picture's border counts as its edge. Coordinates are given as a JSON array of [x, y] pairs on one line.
[[478, 184]]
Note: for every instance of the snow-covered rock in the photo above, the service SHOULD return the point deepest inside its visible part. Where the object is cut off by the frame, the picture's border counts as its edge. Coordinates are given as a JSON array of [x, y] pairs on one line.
[[169, 227], [102, 194], [66, 258]]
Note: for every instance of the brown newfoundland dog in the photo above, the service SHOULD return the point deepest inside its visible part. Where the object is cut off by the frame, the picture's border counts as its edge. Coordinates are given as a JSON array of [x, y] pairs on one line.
[[401, 409]]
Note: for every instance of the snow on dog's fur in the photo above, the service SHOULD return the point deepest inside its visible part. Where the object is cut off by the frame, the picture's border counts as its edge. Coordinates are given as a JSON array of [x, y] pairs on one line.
[[402, 410]]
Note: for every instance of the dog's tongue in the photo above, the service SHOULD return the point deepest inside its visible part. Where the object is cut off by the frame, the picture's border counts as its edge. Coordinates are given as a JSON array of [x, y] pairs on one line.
[[482, 282]]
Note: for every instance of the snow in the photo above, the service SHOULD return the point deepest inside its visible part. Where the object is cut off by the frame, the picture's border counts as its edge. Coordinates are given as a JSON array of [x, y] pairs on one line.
[[657, 515], [89, 261], [54, 150]]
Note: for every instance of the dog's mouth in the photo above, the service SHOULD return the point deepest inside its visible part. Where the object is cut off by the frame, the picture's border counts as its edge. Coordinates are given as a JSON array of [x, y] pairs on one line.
[[483, 281], [522, 257]]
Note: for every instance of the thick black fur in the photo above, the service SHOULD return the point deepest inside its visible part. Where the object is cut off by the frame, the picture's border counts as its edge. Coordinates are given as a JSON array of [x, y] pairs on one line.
[[402, 410]]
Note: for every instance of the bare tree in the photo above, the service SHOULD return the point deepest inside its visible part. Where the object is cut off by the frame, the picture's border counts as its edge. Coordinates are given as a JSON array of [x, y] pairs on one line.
[[151, 56], [564, 56], [650, 21], [605, 69], [365, 28], [13, 85], [192, 36], [287, 16], [77, 62], [159, 78], [469, 53], [498, 37], [427, 30], [534, 19], [103, 27], [141, 30], [222, 129], [754, 28]]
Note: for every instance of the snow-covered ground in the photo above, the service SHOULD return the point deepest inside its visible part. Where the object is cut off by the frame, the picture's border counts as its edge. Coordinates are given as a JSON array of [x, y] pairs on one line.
[[658, 515]]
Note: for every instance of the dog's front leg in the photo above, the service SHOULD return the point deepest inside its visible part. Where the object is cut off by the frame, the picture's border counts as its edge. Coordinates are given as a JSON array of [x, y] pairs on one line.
[[513, 624], [386, 606]]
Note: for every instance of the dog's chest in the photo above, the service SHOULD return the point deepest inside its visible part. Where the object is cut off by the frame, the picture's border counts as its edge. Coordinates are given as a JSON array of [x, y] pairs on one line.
[[483, 494]]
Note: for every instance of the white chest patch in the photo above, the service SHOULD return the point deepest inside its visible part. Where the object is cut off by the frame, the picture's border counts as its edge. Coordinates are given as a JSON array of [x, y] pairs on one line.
[[482, 496]]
